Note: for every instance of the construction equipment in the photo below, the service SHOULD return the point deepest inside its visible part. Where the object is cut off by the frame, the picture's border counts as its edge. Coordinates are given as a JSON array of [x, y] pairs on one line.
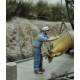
[[61, 45], [66, 40]]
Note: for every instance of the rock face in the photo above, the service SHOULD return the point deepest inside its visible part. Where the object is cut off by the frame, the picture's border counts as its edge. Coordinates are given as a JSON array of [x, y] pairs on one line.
[[19, 35]]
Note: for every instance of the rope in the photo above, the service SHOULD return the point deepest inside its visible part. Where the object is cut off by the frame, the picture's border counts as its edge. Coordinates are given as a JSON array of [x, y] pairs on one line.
[[63, 22]]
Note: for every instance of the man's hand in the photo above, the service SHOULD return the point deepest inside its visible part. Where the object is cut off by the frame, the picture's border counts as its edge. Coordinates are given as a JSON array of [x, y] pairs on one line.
[[53, 38]]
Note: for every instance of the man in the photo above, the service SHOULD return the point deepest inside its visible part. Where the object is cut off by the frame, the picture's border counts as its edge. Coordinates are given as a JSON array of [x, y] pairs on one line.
[[37, 43]]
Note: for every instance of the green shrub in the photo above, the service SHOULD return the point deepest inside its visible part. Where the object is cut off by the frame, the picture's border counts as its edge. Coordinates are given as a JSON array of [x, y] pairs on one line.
[[25, 9], [10, 9], [41, 10]]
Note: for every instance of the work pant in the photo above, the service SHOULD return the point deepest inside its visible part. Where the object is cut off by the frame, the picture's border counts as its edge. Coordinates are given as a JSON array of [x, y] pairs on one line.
[[38, 59]]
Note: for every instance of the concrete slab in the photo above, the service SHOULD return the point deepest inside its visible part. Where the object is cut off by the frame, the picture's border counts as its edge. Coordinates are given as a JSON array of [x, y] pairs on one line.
[[59, 65]]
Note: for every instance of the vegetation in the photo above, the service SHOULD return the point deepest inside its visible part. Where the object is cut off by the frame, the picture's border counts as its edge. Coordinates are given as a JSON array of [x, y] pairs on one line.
[[41, 10]]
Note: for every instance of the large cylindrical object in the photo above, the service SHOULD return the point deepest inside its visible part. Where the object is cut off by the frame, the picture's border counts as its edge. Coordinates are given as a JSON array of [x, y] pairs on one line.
[[65, 42]]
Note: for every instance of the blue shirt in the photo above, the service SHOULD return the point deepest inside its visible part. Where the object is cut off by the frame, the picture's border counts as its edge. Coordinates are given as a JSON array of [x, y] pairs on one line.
[[37, 42]]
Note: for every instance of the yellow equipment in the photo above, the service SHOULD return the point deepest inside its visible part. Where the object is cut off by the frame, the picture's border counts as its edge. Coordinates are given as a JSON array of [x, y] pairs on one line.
[[63, 43]]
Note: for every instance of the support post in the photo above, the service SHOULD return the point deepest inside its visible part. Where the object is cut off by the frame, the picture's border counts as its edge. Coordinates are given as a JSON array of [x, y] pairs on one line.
[[11, 71]]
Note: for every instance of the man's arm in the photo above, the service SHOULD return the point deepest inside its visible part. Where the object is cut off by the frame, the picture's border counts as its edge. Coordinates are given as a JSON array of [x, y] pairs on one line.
[[42, 38], [53, 38]]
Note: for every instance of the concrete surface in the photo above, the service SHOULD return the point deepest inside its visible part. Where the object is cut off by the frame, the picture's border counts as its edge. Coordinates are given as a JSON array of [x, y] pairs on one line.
[[59, 65]]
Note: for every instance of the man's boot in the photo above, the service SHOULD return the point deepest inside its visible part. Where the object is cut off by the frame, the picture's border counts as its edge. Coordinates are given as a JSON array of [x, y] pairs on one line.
[[38, 72], [42, 70]]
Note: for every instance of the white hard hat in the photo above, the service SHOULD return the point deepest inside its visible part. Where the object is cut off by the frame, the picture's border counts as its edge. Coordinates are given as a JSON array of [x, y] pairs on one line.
[[46, 28]]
